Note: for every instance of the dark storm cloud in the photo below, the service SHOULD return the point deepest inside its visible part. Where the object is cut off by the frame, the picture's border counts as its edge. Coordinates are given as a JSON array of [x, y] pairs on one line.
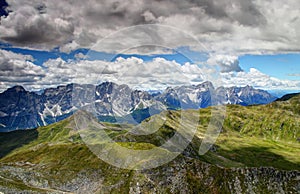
[[124, 12], [72, 24], [31, 27], [38, 33]]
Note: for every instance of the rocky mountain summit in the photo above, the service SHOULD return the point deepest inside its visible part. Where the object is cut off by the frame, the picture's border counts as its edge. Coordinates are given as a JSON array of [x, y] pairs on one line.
[[21, 109]]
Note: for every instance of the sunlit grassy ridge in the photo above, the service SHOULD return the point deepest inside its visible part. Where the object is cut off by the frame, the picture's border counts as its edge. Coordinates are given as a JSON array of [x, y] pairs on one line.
[[253, 136], [265, 135], [247, 132]]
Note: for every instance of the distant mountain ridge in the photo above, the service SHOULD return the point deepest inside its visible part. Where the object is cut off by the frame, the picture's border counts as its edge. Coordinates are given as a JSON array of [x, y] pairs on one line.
[[21, 109], [287, 97]]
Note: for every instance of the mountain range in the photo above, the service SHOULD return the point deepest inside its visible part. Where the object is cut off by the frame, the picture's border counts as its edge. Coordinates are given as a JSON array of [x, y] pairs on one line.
[[257, 151], [21, 109]]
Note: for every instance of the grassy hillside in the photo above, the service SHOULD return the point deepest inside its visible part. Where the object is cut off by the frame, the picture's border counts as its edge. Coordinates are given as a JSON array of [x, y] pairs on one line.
[[55, 159]]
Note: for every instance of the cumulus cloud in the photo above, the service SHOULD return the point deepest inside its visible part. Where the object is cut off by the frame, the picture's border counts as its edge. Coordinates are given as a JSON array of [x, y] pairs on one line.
[[258, 79], [29, 27], [228, 26], [18, 69], [226, 62], [157, 74]]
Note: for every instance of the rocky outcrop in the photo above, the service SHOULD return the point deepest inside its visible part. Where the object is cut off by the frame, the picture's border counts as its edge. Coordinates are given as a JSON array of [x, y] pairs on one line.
[[20, 109], [183, 175]]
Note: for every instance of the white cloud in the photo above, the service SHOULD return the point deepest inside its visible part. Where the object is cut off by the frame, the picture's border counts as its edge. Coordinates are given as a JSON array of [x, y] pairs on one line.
[[138, 74], [159, 73], [258, 79], [18, 69], [80, 56], [226, 62], [7, 55]]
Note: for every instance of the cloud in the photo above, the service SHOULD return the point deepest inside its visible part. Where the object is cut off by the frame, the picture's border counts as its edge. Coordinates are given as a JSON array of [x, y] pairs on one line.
[[157, 74], [258, 79], [226, 62], [18, 69], [80, 56], [294, 74], [149, 50], [232, 27], [27, 26]]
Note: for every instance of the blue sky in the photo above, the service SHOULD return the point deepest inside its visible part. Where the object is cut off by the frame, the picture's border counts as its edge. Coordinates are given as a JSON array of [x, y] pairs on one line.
[[43, 56], [282, 66]]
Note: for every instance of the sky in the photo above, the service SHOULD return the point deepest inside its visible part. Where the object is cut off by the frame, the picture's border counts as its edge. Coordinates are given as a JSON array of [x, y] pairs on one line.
[[150, 44]]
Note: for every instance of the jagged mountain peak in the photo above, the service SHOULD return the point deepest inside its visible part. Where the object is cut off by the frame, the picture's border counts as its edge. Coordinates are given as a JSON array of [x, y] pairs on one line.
[[109, 99], [207, 84], [16, 88]]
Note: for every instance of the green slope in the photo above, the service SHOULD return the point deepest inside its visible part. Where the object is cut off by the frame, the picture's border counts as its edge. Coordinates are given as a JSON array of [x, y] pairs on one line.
[[55, 159]]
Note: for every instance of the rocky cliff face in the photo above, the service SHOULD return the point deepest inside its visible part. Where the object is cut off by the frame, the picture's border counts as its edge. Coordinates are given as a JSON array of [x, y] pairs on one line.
[[183, 175], [244, 95], [20, 109]]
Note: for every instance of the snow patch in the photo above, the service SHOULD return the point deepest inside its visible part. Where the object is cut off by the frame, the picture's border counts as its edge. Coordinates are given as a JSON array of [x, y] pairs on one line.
[[240, 93], [42, 118], [192, 96], [53, 112], [3, 114]]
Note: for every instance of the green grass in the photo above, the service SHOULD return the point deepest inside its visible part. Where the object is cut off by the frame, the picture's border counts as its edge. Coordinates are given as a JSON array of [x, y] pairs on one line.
[[254, 152], [16, 139], [253, 136], [136, 146]]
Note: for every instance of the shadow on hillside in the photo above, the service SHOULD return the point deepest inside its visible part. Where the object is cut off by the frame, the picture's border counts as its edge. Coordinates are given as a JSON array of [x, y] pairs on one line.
[[10, 141], [259, 157], [250, 156]]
